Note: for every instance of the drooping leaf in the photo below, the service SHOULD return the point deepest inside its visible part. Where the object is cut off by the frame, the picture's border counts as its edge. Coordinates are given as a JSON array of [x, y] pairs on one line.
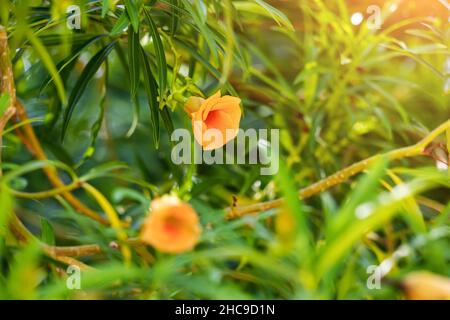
[[133, 13], [87, 74], [67, 62], [4, 102], [47, 232], [160, 58], [200, 22], [105, 8], [151, 91], [133, 58], [211, 69], [175, 19], [48, 62], [120, 25], [95, 129], [167, 120], [263, 8], [294, 205]]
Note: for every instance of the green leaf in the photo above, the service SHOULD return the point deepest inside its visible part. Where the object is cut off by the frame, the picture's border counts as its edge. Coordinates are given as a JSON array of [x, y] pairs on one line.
[[133, 57], [25, 274], [105, 8], [4, 103], [294, 205], [48, 62], [160, 58], [120, 25], [95, 129], [174, 20], [211, 69], [151, 91], [376, 214], [6, 207], [87, 74], [68, 61], [203, 28], [47, 232], [133, 13], [263, 8], [167, 120]]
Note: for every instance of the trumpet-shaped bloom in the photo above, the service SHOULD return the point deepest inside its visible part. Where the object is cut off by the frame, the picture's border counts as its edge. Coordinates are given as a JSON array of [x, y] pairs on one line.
[[172, 226], [215, 121]]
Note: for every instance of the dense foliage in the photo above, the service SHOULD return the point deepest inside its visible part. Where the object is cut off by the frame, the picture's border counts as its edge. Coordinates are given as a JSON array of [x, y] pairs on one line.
[[86, 147]]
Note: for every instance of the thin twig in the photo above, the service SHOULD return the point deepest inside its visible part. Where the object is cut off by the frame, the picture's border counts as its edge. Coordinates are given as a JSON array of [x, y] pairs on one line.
[[340, 176]]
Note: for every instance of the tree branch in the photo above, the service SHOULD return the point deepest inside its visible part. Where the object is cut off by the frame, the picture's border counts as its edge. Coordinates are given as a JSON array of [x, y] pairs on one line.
[[341, 176], [6, 86]]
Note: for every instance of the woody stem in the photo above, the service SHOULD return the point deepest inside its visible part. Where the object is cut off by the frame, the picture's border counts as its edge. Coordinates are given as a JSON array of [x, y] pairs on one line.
[[342, 175]]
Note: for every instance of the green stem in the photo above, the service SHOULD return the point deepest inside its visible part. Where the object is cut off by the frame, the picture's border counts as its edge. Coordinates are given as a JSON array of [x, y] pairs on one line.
[[48, 193]]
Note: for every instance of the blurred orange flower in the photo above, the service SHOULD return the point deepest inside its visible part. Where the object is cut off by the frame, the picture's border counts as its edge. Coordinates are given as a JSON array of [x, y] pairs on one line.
[[172, 226], [423, 285], [215, 121]]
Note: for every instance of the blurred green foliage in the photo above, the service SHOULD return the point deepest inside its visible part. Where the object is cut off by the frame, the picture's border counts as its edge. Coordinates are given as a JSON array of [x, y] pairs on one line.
[[104, 99]]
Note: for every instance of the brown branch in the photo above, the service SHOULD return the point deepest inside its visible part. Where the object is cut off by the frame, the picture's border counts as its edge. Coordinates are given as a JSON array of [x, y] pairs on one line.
[[6, 86], [341, 176], [30, 139], [22, 234], [51, 171]]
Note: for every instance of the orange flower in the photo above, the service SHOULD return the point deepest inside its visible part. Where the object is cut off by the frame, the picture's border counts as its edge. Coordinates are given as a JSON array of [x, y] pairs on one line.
[[172, 226], [215, 121], [423, 285]]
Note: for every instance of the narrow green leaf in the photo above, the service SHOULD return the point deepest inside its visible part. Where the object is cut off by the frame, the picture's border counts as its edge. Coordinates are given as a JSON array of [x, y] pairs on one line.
[[211, 69], [68, 61], [152, 92], [366, 189], [133, 58], [120, 25], [58, 38], [263, 8], [4, 102], [6, 207], [174, 20], [95, 129], [48, 62], [105, 8], [87, 74], [294, 205], [133, 13], [47, 232], [167, 120], [160, 58], [204, 30]]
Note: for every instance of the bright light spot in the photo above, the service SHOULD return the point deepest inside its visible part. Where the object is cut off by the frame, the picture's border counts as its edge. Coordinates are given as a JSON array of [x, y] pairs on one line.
[[447, 86], [345, 60], [184, 70], [442, 166], [386, 266], [256, 185], [400, 191], [357, 18], [145, 40], [393, 7], [263, 143], [447, 66], [364, 210]]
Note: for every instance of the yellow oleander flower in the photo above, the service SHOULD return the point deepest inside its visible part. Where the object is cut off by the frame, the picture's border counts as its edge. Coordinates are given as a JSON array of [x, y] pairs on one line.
[[172, 226], [215, 121]]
